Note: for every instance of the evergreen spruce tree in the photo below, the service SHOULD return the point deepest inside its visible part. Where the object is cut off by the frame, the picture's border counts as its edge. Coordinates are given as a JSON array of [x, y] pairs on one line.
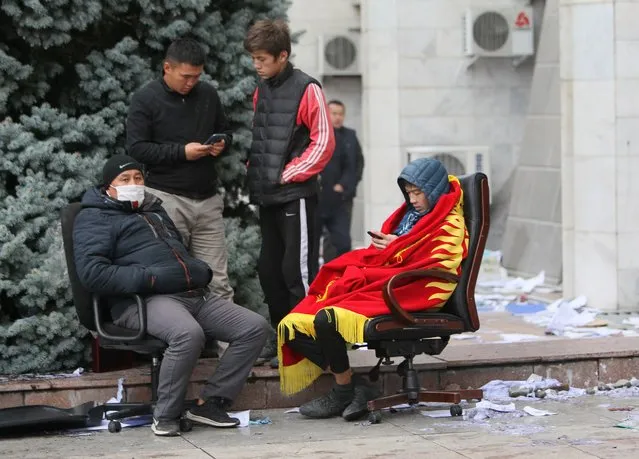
[[67, 71]]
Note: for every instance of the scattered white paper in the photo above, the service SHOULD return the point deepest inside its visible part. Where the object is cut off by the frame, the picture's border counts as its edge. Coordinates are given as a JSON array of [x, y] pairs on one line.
[[535, 412], [292, 410], [634, 321], [465, 336], [243, 416], [437, 413], [568, 316], [519, 337], [405, 406], [496, 407], [120, 393], [493, 302], [517, 284]]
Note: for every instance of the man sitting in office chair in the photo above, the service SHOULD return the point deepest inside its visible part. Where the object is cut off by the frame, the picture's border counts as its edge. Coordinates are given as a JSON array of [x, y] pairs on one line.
[[427, 232], [125, 243]]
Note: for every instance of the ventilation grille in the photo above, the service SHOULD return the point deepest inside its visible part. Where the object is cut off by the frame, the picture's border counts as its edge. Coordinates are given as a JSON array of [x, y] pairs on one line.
[[340, 53], [490, 31], [453, 165]]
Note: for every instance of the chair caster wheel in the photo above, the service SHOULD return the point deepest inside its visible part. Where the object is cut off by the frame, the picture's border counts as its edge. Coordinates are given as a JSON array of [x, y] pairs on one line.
[[115, 426], [186, 425], [375, 417], [456, 410]]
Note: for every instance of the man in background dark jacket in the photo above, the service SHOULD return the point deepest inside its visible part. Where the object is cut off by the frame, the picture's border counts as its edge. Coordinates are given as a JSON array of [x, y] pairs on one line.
[[339, 185], [125, 243]]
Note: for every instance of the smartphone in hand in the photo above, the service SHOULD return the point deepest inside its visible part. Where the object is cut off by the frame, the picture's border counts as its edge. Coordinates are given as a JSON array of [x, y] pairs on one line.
[[374, 235], [215, 138]]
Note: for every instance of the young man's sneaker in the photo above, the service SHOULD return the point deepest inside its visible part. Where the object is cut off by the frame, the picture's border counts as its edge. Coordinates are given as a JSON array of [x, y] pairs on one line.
[[363, 393], [165, 428], [211, 413]]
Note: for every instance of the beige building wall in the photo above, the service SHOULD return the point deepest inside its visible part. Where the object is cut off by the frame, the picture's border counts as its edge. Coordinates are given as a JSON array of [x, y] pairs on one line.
[[599, 46], [533, 237], [420, 90]]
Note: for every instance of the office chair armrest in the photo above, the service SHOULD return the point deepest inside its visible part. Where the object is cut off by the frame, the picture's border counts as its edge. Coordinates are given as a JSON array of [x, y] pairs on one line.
[[398, 312], [104, 334]]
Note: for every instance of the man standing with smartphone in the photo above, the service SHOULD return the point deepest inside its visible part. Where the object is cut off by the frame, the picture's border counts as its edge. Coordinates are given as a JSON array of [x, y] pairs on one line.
[[169, 123], [292, 142]]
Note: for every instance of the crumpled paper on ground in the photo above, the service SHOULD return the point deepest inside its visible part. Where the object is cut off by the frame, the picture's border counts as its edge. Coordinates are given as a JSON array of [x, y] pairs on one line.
[[537, 413], [514, 285], [486, 410], [497, 390]]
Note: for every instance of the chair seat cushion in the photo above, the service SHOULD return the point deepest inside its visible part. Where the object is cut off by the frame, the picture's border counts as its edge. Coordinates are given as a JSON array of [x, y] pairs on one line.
[[430, 325], [148, 345]]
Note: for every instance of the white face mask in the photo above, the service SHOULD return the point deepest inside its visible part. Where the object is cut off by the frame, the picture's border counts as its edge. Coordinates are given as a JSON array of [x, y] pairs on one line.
[[133, 193]]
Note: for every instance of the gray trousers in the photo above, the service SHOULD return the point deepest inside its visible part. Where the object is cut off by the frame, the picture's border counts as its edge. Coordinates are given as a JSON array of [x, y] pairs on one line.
[[184, 324], [201, 226]]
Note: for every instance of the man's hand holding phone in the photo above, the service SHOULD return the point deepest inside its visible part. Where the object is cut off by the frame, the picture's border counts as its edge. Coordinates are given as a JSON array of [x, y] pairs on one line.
[[381, 240], [195, 150], [216, 144]]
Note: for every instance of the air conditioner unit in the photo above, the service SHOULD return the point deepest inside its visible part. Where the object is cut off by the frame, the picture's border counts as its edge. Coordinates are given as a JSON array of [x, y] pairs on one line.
[[339, 54], [504, 32], [458, 160]]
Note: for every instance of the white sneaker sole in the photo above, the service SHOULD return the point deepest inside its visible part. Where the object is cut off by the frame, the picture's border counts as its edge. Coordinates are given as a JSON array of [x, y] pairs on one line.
[[209, 422], [164, 433]]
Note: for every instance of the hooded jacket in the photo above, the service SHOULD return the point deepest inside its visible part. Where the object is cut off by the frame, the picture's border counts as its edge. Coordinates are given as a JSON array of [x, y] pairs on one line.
[[119, 250], [431, 177]]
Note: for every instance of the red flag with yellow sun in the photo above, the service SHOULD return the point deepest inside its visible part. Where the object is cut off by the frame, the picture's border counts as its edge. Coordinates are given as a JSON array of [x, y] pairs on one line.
[[352, 284]]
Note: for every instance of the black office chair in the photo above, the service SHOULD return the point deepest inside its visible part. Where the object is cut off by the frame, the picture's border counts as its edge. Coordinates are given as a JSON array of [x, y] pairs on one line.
[[91, 314], [405, 334]]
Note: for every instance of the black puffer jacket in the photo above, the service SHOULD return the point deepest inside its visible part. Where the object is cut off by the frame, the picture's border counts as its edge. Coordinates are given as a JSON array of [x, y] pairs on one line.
[[119, 251], [277, 139]]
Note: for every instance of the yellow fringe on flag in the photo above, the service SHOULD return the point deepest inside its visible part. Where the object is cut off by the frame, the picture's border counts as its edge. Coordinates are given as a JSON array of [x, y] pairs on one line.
[[294, 378]]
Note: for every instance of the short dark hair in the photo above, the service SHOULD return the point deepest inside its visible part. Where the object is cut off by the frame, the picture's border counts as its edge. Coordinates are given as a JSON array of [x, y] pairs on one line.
[[270, 35], [336, 102], [186, 50]]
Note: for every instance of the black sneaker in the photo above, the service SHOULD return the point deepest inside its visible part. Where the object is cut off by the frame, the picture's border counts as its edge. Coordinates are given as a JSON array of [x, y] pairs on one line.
[[211, 414], [165, 428], [363, 393], [329, 405]]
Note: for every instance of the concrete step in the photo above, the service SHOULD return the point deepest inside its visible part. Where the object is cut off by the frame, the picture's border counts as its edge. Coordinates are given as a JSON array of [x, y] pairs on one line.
[[578, 362]]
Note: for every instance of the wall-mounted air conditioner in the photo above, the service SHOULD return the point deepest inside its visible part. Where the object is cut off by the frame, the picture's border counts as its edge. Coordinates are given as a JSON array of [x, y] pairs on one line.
[[499, 32], [339, 54], [458, 160]]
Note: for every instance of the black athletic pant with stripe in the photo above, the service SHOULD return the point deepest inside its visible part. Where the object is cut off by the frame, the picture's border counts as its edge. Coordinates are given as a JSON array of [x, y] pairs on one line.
[[289, 254]]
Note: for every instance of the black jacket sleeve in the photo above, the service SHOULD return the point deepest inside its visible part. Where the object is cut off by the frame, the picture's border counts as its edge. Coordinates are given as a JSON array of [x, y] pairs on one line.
[[139, 129], [92, 243]]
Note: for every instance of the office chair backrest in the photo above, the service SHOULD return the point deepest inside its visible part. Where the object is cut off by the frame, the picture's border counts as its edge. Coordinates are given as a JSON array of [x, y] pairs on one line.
[[81, 296], [476, 215]]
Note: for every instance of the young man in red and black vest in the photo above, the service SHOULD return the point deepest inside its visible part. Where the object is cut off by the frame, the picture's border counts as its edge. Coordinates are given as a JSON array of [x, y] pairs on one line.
[[292, 142]]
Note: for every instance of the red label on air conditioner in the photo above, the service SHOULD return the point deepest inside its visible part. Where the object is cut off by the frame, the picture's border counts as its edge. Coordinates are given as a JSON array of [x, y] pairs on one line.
[[522, 21]]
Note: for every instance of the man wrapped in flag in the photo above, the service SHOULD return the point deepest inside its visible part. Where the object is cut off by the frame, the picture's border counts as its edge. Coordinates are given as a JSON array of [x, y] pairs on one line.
[[426, 232]]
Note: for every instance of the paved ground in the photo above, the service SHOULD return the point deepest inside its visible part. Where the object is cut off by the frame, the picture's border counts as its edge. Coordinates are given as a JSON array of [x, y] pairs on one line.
[[583, 428]]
